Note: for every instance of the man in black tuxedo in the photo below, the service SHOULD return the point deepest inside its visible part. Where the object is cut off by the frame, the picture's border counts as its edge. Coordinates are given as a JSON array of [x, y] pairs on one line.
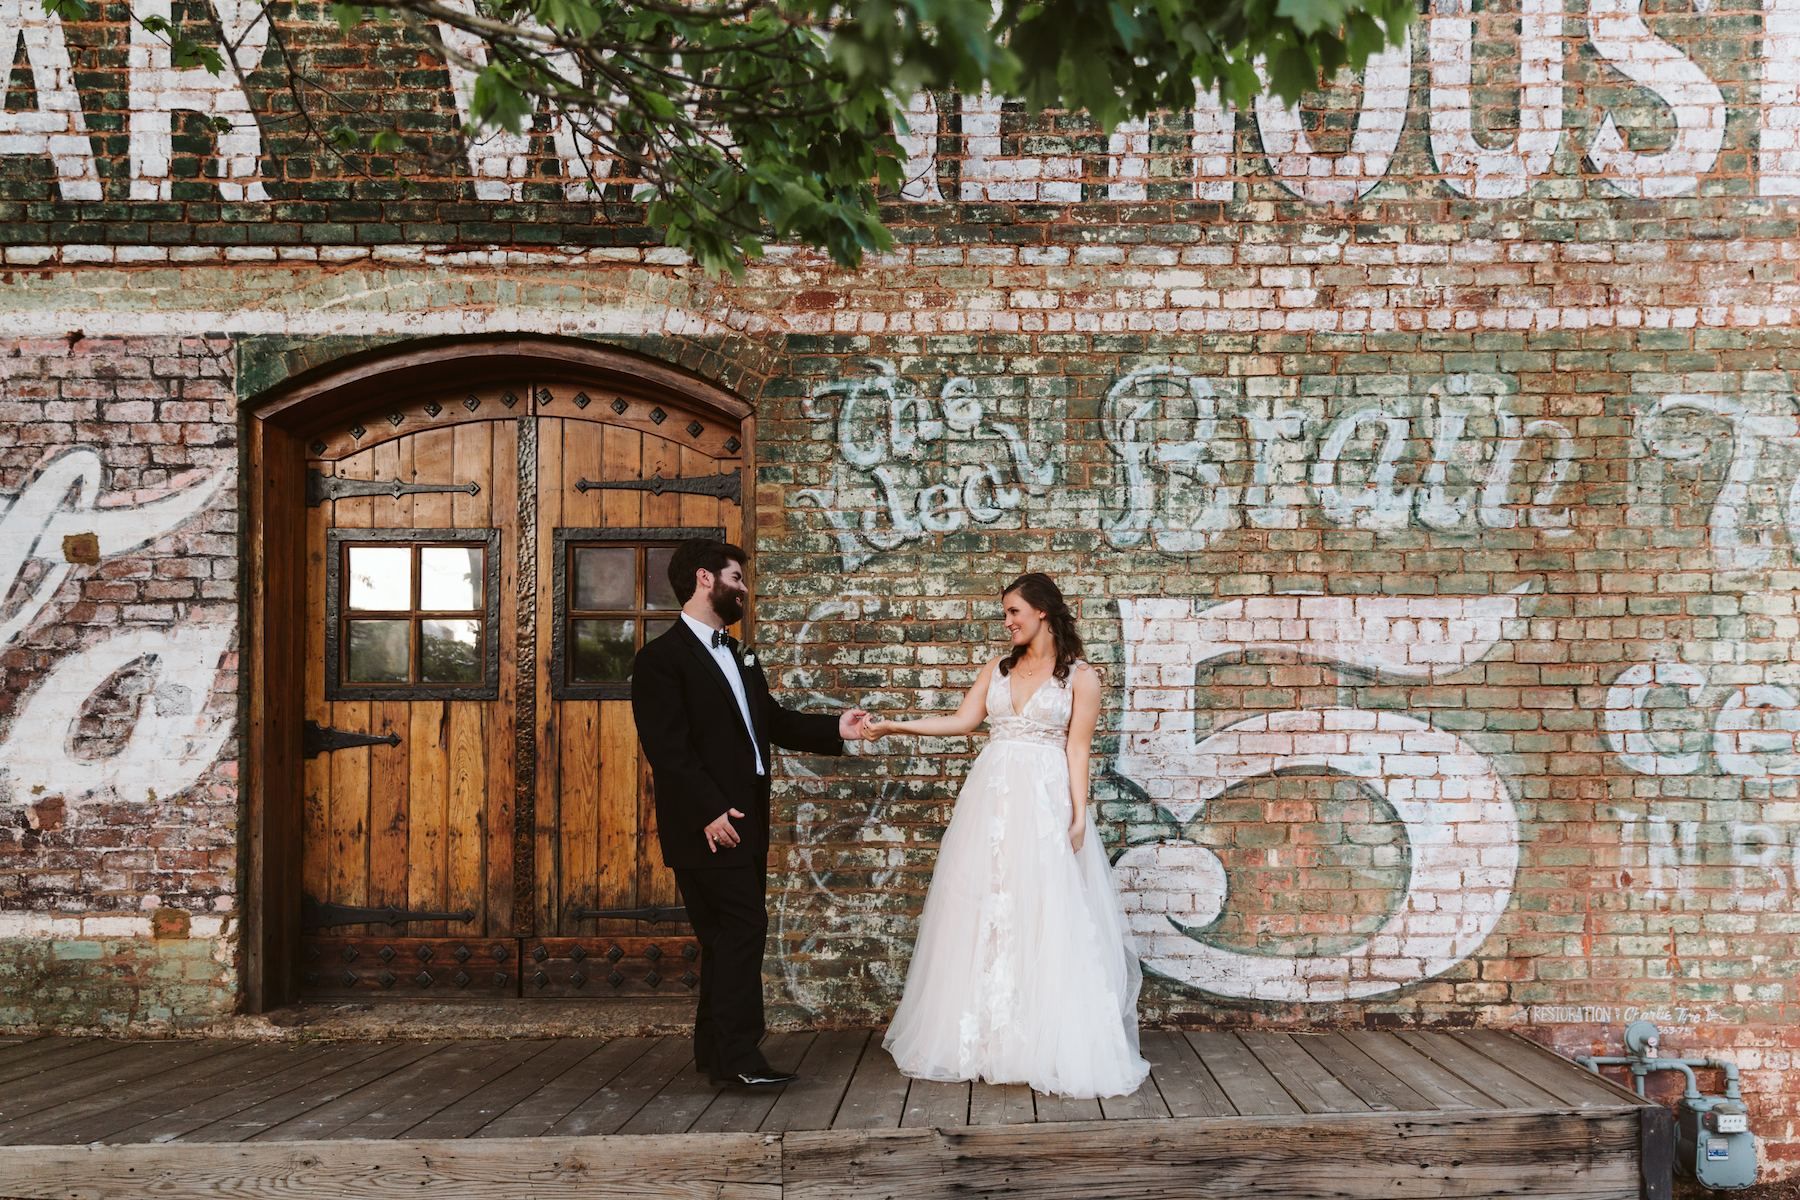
[[705, 718]]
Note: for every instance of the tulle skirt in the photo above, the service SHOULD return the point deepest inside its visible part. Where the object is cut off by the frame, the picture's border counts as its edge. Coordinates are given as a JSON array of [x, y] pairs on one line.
[[1024, 971]]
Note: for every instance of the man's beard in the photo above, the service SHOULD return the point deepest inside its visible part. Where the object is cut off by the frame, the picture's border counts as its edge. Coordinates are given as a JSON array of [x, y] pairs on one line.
[[727, 603]]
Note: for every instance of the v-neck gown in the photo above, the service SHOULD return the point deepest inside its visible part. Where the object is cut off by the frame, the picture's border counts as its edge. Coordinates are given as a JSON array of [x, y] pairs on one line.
[[1024, 971]]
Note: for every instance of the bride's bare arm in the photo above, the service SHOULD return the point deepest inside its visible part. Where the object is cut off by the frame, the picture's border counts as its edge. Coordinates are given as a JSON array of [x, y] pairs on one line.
[[1083, 718], [968, 716]]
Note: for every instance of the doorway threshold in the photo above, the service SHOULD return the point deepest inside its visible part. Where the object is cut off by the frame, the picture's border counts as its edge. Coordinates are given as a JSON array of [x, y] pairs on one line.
[[428, 1020]]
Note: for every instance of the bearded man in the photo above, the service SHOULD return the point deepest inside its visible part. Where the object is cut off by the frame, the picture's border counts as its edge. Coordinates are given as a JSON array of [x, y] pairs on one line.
[[705, 718]]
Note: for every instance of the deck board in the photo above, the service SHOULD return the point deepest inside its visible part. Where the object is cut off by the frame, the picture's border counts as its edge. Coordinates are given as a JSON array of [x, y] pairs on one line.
[[1253, 1091], [1187, 1087], [1222, 1114], [876, 1097], [207, 1079]]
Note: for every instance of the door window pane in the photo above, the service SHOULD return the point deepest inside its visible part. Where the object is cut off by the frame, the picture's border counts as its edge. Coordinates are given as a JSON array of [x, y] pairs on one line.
[[379, 651], [604, 578], [380, 578], [602, 651], [450, 578], [655, 629], [450, 651], [657, 592]]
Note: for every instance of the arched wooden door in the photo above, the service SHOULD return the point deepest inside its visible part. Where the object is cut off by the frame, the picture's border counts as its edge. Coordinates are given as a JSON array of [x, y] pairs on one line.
[[481, 567]]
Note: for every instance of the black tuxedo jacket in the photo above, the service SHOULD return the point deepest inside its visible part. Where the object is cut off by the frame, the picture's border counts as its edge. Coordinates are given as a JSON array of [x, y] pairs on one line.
[[700, 753]]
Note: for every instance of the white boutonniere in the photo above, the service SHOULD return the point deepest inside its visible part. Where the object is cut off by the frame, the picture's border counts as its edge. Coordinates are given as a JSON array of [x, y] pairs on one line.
[[749, 658]]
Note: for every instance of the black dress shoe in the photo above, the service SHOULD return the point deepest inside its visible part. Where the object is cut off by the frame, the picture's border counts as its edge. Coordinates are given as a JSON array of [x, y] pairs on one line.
[[755, 1079]]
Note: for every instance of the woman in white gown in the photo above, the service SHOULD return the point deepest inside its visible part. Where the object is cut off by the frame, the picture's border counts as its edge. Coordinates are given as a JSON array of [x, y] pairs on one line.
[[1023, 971]]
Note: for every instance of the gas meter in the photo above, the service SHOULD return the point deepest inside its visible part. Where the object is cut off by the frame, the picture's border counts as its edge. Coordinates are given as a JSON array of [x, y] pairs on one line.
[[1713, 1142]]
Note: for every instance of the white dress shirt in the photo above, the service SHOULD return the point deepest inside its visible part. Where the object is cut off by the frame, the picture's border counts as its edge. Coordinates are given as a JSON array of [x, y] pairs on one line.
[[727, 664]]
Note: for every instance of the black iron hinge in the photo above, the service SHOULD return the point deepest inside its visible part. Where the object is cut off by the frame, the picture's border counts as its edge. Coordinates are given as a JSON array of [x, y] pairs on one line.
[[726, 485], [653, 915], [321, 487], [317, 914], [320, 739]]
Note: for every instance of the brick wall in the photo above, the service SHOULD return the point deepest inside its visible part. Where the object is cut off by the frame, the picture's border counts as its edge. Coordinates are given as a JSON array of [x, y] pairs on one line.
[[1425, 487], [118, 694]]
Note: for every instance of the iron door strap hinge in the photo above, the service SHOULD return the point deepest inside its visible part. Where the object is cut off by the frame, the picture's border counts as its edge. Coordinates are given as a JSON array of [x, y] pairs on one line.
[[653, 915], [317, 914], [320, 739], [726, 485], [321, 487]]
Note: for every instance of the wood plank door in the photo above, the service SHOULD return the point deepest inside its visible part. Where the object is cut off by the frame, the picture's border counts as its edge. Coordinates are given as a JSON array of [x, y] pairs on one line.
[[482, 566], [620, 484], [411, 597]]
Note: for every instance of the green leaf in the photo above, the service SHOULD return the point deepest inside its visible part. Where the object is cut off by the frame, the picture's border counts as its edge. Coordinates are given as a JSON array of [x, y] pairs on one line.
[[1310, 16], [347, 16], [66, 10]]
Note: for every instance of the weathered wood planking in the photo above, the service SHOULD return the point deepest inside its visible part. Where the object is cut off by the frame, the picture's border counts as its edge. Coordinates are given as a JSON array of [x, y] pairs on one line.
[[718, 1166], [1349, 1156]]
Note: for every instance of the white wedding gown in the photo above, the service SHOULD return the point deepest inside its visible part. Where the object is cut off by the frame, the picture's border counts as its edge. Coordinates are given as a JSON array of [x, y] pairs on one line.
[[1023, 971]]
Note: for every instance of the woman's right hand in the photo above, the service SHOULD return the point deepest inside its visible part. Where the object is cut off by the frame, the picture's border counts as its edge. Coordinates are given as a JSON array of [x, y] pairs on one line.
[[883, 728]]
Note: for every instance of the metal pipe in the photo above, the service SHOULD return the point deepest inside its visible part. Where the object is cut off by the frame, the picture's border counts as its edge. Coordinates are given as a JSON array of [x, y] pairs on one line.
[[1642, 1066]]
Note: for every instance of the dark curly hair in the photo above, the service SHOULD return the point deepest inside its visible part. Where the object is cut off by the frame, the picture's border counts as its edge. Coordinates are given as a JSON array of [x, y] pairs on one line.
[[1040, 591]]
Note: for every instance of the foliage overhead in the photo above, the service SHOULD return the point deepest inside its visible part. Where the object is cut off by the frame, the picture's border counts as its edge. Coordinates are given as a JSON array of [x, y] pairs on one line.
[[742, 121]]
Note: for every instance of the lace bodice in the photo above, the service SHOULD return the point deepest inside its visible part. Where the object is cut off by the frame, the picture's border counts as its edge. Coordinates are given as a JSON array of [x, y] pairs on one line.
[[1045, 720]]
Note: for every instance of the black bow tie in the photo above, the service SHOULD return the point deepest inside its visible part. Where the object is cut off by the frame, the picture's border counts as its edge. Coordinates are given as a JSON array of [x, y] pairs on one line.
[[721, 638]]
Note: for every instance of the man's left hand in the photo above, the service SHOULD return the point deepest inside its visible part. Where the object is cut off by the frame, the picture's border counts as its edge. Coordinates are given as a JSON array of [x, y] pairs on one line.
[[853, 724]]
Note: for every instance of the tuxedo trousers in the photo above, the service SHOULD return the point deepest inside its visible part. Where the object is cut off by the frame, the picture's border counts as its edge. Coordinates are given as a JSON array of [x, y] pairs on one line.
[[728, 909]]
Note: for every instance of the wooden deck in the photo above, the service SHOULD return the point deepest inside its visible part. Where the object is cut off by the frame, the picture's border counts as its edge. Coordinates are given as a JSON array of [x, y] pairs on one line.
[[1250, 1113]]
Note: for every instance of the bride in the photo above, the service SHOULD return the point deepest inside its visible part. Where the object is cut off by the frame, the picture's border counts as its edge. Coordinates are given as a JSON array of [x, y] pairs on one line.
[[1023, 972]]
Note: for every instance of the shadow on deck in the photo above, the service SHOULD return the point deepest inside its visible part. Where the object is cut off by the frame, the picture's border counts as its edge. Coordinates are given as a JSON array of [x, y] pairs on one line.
[[1356, 1114]]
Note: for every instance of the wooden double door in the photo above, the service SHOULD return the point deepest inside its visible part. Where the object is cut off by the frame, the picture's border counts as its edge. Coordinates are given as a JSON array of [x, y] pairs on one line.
[[481, 568]]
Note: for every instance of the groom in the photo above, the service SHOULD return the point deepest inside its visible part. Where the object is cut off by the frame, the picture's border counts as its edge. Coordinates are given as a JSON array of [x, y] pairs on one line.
[[705, 719]]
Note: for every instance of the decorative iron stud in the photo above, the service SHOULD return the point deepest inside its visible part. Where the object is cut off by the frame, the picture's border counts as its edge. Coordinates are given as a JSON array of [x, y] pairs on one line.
[[461, 979], [653, 978], [539, 954], [690, 979], [394, 418], [317, 447], [312, 954], [544, 396], [460, 954], [471, 402], [578, 979], [614, 954], [433, 409], [423, 979], [423, 953], [658, 416], [539, 978], [357, 432], [386, 979], [690, 952], [311, 979], [348, 978], [695, 429], [652, 953], [581, 400], [387, 954], [619, 406], [500, 979], [576, 953], [613, 977], [732, 445], [509, 399], [499, 952], [350, 954]]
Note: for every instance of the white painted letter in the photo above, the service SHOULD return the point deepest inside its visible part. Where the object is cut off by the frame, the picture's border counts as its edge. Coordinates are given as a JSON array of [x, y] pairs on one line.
[[1350, 176], [1469, 168], [1624, 717], [1778, 139], [988, 176], [156, 91], [56, 128], [1618, 31]]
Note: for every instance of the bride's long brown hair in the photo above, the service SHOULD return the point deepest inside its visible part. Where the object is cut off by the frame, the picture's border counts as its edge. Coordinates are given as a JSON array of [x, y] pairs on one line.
[[1040, 591]]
